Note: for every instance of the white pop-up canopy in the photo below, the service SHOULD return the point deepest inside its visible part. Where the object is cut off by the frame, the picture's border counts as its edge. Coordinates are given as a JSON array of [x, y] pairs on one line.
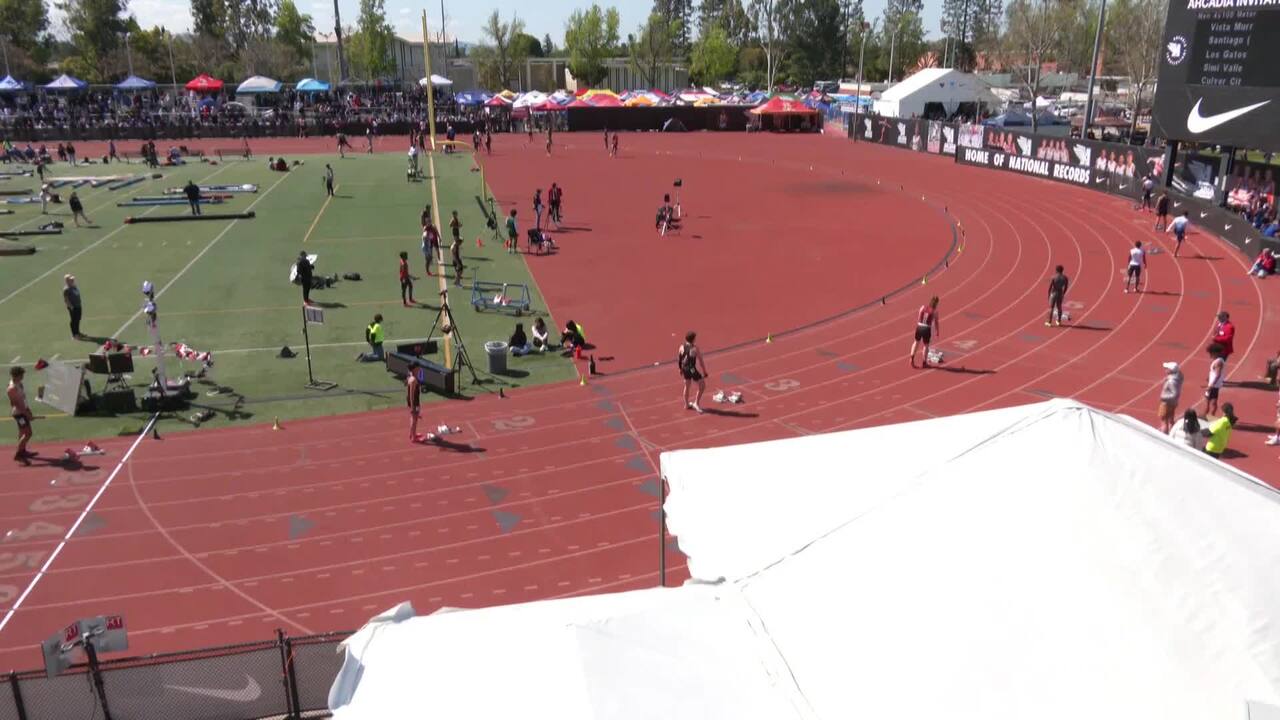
[[944, 86], [1047, 561]]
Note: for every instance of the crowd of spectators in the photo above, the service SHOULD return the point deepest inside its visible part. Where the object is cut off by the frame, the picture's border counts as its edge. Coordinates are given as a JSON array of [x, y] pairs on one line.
[[1251, 191], [161, 112]]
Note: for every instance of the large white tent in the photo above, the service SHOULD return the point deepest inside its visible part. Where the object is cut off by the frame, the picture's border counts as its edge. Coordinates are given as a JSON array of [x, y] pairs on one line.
[[949, 88], [1047, 561]]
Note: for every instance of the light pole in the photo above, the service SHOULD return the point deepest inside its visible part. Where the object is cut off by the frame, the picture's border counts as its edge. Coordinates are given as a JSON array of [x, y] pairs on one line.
[[893, 43], [128, 53], [4, 48], [862, 51], [1093, 72], [173, 71]]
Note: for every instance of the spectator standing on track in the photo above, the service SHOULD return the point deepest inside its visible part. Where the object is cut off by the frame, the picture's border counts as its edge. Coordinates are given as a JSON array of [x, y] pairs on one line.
[[548, 137], [537, 208], [1217, 372], [1179, 229], [1187, 430], [1224, 333], [192, 191], [111, 151], [1219, 431], [693, 369], [1170, 394], [343, 145], [1148, 187], [1058, 285], [488, 143], [513, 235], [305, 270], [1162, 212], [77, 209], [374, 335], [368, 136], [21, 413], [606, 140], [406, 281], [71, 154], [71, 299], [613, 152], [413, 398], [1137, 261], [927, 323]]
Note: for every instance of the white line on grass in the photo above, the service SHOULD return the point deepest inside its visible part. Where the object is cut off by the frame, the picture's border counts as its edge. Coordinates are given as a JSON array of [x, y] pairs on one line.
[[91, 246], [201, 254], [76, 525]]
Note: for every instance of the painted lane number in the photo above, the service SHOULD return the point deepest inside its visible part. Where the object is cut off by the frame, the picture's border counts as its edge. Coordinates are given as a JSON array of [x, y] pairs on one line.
[[515, 422], [782, 385]]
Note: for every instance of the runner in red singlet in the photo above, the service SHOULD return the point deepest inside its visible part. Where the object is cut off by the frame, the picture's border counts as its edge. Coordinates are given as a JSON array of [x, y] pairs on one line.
[[926, 325]]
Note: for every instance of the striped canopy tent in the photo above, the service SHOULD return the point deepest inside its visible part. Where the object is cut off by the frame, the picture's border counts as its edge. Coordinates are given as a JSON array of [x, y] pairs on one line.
[[784, 105], [258, 85], [133, 82], [704, 101], [578, 103], [530, 99], [692, 95], [66, 82], [547, 106], [498, 101], [508, 94], [9, 84], [593, 93], [311, 85], [204, 83]]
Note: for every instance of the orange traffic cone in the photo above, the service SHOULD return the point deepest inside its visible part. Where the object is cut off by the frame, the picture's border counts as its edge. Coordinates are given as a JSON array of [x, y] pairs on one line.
[[479, 243]]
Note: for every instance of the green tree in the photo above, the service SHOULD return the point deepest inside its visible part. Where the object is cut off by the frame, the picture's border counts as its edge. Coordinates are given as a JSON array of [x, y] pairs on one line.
[[376, 37], [1032, 36], [24, 24], [714, 58], [548, 47], [525, 45], [244, 21], [653, 47], [97, 28], [819, 37], [729, 15], [680, 11], [767, 17], [496, 57], [901, 37], [207, 18], [591, 36], [295, 29], [1133, 35]]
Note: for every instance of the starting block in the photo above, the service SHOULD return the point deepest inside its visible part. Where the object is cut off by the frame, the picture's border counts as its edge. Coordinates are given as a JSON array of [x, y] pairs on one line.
[[733, 398], [936, 357], [90, 449]]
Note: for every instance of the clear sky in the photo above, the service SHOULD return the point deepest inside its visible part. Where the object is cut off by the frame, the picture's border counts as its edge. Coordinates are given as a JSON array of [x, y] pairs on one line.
[[464, 17]]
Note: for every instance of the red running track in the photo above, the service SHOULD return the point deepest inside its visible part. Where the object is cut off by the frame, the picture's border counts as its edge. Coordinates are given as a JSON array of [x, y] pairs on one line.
[[214, 537]]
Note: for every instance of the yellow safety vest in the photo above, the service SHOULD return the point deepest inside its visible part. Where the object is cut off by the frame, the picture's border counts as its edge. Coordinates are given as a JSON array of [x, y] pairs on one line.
[[1219, 434], [375, 333]]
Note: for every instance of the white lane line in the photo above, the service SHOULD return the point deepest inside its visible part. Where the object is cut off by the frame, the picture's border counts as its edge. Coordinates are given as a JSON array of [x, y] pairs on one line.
[[201, 254], [91, 246], [76, 525]]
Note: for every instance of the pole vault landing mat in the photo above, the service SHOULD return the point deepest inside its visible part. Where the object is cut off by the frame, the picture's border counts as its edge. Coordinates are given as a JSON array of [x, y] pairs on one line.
[[30, 233], [185, 218], [246, 188], [12, 248]]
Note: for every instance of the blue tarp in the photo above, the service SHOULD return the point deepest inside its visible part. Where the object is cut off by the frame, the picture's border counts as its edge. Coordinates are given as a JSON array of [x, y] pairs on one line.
[[311, 85], [66, 82], [1017, 119], [133, 82], [757, 97], [472, 97]]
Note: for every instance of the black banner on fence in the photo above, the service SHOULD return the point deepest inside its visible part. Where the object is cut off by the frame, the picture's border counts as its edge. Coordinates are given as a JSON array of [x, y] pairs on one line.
[[1108, 167], [931, 136]]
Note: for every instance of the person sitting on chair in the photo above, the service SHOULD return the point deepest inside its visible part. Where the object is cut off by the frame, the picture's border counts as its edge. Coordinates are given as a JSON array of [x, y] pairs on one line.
[[519, 342], [540, 340]]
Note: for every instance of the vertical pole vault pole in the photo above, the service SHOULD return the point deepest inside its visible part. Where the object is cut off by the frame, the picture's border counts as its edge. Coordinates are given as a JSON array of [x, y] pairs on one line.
[[662, 530], [445, 313], [431, 90]]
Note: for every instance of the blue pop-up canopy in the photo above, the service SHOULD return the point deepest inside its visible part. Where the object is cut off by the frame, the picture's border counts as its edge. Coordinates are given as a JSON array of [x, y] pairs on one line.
[[472, 97], [133, 82], [311, 85], [8, 84], [66, 82]]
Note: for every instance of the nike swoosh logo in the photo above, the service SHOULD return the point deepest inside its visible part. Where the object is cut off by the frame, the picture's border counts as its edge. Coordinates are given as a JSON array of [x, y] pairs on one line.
[[1197, 123], [251, 691]]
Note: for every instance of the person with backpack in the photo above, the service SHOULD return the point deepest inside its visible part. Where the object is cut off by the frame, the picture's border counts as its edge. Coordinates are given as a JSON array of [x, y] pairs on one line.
[[693, 369]]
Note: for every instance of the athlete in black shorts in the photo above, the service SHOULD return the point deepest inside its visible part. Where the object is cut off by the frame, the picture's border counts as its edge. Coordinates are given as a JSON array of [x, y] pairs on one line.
[[1057, 292], [693, 369]]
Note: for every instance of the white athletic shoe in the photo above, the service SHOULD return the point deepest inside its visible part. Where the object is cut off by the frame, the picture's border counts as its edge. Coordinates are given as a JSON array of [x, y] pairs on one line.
[[1273, 440]]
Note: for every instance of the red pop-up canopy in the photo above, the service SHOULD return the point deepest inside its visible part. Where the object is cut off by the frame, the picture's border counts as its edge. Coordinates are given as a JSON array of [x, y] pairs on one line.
[[778, 105], [604, 101], [204, 83]]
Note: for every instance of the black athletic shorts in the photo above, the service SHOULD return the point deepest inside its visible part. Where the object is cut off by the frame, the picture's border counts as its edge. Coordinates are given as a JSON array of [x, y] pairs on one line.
[[23, 422], [924, 333], [1212, 393], [1135, 271], [692, 375]]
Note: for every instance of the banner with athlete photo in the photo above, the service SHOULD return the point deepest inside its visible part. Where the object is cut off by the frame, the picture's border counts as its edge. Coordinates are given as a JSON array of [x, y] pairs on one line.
[[1108, 167], [909, 133]]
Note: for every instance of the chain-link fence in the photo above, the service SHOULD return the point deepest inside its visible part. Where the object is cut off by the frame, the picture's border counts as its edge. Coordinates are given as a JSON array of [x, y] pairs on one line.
[[280, 678]]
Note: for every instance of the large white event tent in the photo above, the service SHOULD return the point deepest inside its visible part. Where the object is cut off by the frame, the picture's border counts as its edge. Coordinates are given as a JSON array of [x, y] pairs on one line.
[[1043, 561], [944, 86]]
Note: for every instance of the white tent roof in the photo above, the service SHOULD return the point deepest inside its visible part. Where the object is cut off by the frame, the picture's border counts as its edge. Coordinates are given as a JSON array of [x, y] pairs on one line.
[[1046, 561], [933, 85], [435, 81], [529, 99], [258, 84]]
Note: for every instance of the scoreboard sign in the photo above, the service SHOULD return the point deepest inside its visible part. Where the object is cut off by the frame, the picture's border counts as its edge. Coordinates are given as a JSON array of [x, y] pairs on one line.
[[1219, 78]]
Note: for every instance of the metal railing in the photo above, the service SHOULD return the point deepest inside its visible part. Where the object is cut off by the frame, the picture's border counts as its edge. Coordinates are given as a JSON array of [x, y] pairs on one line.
[[280, 678]]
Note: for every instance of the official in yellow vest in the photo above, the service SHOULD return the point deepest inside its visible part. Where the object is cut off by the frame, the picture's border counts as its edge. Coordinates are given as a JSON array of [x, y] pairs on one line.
[[373, 334]]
